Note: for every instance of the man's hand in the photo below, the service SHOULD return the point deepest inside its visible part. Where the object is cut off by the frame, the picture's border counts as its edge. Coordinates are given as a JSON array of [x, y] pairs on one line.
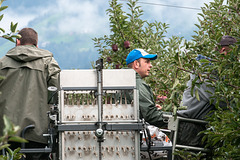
[[158, 106]]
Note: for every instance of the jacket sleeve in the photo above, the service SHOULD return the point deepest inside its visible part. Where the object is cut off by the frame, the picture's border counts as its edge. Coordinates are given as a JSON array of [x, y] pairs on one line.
[[148, 109], [53, 73]]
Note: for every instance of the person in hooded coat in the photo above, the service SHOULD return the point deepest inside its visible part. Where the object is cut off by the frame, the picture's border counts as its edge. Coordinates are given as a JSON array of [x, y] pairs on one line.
[[188, 132], [28, 71]]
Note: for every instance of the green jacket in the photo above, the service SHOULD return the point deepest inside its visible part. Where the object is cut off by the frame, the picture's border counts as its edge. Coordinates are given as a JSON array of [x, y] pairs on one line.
[[147, 106], [28, 72]]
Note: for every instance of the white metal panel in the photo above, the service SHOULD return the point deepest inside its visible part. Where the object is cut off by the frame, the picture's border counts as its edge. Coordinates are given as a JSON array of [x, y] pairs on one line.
[[88, 78], [119, 77], [83, 145], [78, 78]]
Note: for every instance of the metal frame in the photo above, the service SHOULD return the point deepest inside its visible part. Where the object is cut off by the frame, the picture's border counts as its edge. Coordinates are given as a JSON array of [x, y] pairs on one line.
[[107, 127], [173, 125]]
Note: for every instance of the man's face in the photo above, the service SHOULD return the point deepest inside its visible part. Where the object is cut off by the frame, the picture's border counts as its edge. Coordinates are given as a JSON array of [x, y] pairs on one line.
[[144, 66], [225, 49]]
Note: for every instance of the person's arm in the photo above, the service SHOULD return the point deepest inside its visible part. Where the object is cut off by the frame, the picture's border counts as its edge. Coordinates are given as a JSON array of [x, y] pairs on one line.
[[53, 73], [53, 80], [148, 108]]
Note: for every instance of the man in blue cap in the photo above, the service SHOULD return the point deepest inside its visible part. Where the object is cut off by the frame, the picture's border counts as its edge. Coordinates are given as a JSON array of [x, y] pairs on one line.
[[140, 61]]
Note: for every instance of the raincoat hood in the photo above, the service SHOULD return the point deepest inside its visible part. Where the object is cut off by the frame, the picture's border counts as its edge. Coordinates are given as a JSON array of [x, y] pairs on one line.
[[27, 53]]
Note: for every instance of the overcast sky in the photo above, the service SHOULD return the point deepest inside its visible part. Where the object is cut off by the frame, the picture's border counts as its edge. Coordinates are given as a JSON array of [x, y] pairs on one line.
[[59, 22]]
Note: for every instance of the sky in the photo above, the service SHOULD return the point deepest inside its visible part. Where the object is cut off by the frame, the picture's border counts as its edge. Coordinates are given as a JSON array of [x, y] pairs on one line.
[[66, 27]]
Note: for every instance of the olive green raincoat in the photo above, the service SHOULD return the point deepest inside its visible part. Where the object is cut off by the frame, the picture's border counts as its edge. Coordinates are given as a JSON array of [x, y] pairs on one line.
[[28, 72], [148, 109], [147, 106]]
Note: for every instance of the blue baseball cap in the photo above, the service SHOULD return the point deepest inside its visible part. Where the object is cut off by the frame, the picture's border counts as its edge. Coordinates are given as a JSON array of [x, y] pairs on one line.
[[139, 53]]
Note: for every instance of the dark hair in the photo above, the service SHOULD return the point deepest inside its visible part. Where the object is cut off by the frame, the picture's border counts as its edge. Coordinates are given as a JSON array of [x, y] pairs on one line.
[[28, 36], [130, 65]]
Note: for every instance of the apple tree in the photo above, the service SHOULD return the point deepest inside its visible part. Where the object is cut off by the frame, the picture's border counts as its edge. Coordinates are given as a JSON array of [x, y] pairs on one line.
[[129, 31], [218, 19]]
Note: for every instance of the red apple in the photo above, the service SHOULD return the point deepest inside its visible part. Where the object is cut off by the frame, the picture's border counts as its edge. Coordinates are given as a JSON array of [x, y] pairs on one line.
[[109, 60], [166, 92], [114, 47], [117, 66], [127, 44]]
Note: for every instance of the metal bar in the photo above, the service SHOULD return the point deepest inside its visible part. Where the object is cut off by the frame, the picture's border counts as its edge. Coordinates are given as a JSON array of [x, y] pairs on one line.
[[61, 94], [99, 92], [191, 148], [165, 130], [95, 88], [117, 127], [186, 119], [175, 138], [136, 104], [99, 131], [93, 127], [192, 120], [156, 148], [112, 121], [36, 150], [137, 143]]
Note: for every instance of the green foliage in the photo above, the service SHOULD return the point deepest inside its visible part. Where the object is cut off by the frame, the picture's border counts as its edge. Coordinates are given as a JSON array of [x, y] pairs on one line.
[[223, 134], [12, 155], [186, 155], [128, 26], [9, 133], [217, 20], [13, 27]]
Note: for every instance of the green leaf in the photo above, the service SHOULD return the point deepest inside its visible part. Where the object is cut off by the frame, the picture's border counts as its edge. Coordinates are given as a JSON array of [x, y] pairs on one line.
[[13, 27], [2, 30], [197, 95], [204, 61], [11, 39], [15, 152], [19, 156], [16, 36], [7, 124], [175, 110], [17, 139], [175, 83], [2, 157], [1, 17], [4, 146], [182, 107], [3, 7], [9, 129], [6, 36], [10, 152], [216, 140]]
